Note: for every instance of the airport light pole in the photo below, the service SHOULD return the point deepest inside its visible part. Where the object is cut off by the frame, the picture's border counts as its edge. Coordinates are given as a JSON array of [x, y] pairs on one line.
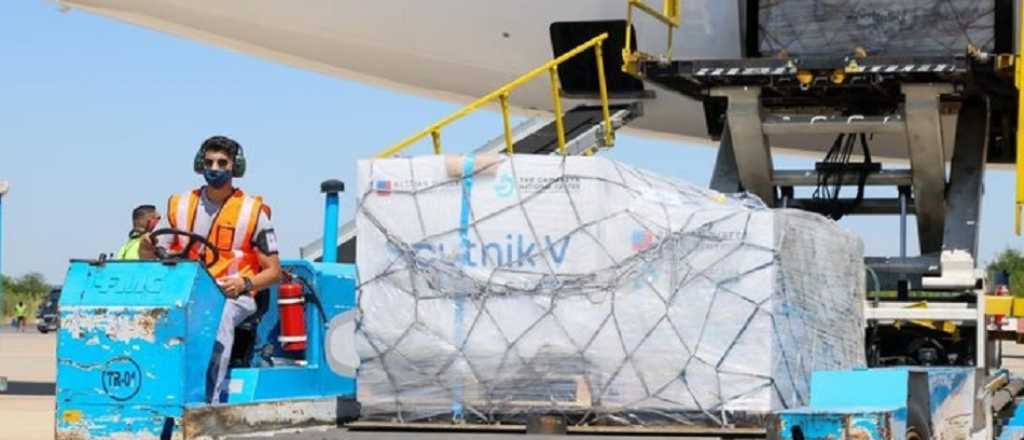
[[4, 187]]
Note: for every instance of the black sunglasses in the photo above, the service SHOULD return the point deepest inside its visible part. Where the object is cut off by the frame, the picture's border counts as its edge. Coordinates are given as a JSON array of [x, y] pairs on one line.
[[223, 163]]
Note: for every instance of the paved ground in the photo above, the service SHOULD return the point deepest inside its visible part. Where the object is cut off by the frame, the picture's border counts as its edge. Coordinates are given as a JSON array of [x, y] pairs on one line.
[[27, 360], [1013, 357]]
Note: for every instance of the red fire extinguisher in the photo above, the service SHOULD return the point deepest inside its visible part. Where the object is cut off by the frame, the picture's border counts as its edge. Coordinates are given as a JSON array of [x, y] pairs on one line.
[[291, 308]]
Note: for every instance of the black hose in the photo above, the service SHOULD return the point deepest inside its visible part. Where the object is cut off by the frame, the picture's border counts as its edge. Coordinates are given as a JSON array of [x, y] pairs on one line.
[[311, 296], [830, 179]]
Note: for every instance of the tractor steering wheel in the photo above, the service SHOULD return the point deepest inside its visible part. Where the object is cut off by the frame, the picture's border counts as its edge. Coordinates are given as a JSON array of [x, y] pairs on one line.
[[193, 239]]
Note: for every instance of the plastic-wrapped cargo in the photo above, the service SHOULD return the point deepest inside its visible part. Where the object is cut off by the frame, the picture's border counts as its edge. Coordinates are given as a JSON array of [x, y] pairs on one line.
[[498, 287], [882, 27]]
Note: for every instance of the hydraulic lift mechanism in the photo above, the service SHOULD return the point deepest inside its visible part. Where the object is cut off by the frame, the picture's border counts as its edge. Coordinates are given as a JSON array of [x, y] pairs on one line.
[[953, 113]]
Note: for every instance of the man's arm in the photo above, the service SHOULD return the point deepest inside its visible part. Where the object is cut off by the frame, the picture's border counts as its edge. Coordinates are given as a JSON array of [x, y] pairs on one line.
[[147, 246], [270, 272], [147, 250], [265, 244]]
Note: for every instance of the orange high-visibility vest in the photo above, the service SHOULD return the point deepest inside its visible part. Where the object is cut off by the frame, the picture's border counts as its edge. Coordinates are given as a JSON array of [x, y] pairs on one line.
[[231, 232]]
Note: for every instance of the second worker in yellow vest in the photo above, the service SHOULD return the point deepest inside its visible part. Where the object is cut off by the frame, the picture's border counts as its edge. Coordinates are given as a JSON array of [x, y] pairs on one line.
[[238, 225]]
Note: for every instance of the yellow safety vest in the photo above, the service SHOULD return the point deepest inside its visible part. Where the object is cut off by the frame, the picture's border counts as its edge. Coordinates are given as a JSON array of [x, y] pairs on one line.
[[130, 250]]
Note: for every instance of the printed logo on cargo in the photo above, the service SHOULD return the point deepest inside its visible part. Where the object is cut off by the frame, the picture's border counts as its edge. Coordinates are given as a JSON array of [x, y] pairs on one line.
[[517, 250], [505, 186], [642, 240], [121, 378], [382, 187]]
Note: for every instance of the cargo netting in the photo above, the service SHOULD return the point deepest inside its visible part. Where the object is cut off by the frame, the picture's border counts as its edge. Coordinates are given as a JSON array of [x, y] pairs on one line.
[[493, 288], [880, 27]]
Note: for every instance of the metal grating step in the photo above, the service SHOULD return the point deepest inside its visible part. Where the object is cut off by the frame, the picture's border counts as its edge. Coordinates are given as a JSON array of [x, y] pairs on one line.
[[579, 122]]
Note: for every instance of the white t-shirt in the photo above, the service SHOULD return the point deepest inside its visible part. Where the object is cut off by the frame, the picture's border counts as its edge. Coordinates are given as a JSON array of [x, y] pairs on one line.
[[263, 238]]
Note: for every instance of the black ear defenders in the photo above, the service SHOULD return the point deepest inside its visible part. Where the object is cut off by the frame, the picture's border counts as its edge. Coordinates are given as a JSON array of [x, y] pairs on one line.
[[239, 168]]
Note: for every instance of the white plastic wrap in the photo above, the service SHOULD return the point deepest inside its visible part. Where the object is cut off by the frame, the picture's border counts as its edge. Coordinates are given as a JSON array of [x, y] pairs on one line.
[[582, 286]]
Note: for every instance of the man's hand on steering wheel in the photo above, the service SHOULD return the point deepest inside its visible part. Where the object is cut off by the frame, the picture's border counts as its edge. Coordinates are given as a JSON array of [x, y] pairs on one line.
[[210, 254]]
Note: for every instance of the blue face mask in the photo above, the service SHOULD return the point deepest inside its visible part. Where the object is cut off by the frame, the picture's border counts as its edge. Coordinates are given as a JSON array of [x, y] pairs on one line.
[[217, 178]]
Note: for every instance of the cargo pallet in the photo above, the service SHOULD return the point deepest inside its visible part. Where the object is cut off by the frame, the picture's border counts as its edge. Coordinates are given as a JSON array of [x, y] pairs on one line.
[[543, 425]]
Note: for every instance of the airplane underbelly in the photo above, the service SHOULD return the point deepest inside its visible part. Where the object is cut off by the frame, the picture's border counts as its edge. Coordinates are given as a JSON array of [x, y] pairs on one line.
[[455, 50]]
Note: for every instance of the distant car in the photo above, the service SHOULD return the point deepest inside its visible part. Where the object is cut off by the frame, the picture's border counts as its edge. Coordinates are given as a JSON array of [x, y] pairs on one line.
[[47, 316]]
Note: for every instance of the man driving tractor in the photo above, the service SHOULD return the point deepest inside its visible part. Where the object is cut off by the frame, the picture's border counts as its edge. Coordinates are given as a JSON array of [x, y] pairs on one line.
[[244, 259]]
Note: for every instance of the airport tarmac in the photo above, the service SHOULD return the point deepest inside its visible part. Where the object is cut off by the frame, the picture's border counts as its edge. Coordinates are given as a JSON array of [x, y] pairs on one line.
[[27, 361], [26, 411]]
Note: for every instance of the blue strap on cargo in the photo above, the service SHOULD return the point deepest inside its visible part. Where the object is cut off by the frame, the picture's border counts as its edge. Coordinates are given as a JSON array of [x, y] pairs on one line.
[[464, 216]]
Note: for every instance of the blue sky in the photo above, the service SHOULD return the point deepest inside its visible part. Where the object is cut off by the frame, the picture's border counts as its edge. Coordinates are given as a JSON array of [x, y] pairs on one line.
[[97, 116]]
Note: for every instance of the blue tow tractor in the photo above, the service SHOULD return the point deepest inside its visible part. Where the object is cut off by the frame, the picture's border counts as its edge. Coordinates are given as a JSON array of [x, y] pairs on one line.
[[135, 346]]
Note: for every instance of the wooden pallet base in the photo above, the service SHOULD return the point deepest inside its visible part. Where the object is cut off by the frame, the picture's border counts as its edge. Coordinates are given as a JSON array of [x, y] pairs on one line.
[[583, 430], [491, 414]]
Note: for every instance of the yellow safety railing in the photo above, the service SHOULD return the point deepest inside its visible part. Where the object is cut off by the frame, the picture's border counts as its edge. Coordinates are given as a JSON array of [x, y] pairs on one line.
[[1018, 79], [502, 95], [669, 15]]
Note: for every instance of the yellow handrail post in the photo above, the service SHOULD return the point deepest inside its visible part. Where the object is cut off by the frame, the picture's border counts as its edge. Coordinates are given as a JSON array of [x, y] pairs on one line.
[[504, 119], [1018, 69], [1019, 205], [603, 89], [559, 125], [668, 51], [669, 15], [670, 9], [436, 135], [627, 49], [669, 21]]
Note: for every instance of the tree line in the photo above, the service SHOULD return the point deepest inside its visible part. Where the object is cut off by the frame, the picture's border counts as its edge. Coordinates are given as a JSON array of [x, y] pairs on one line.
[[1010, 261], [30, 288]]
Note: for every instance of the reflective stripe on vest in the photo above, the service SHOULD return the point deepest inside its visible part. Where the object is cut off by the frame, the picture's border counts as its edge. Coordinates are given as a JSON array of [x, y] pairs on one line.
[[181, 211], [231, 231], [241, 256]]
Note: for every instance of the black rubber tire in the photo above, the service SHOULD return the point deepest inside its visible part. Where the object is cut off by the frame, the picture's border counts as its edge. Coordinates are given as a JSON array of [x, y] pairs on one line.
[[912, 434], [918, 424]]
